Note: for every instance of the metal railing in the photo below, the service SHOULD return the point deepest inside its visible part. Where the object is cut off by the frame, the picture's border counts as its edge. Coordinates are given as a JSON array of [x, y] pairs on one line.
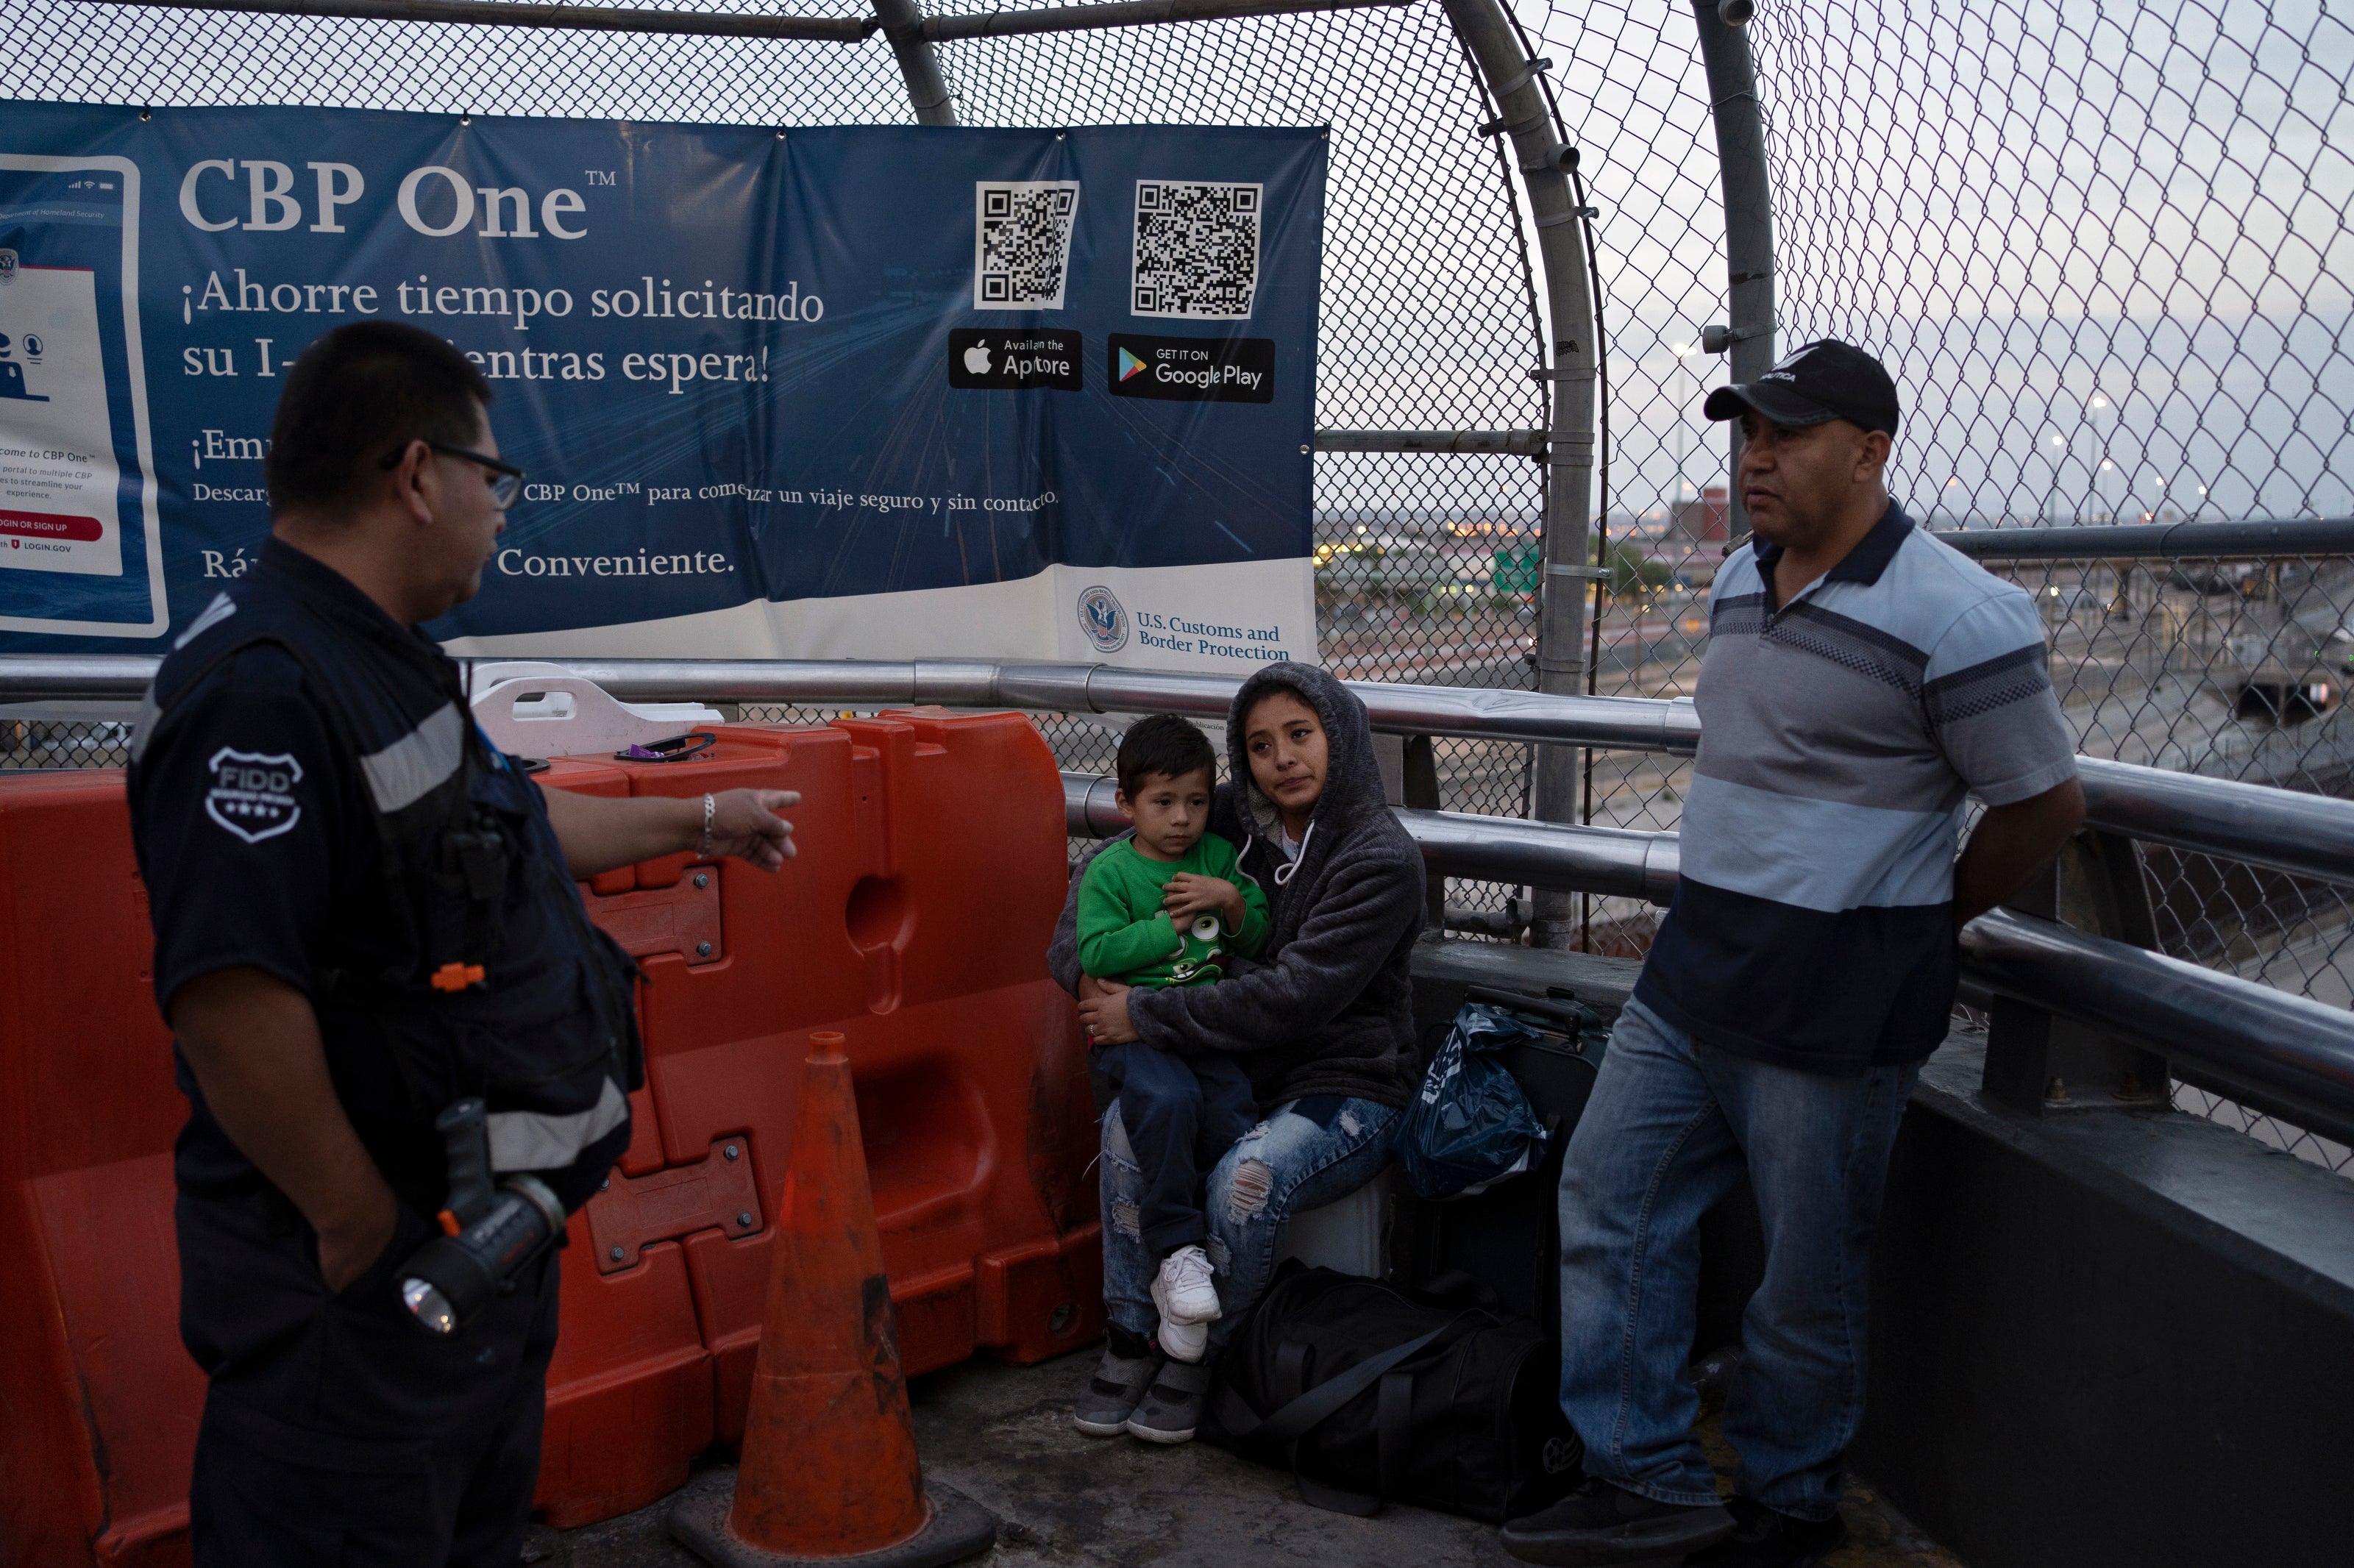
[[2185, 540], [1557, 858], [2304, 835], [1532, 239], [2286, 1053]]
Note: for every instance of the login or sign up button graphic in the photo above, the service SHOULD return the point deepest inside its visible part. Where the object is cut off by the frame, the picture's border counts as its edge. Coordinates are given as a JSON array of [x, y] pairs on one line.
[[1194, 369], [49, 525], [982, 359]]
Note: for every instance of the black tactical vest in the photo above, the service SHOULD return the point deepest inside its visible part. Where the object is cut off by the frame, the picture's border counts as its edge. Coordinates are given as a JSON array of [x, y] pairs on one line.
[[493, 980]]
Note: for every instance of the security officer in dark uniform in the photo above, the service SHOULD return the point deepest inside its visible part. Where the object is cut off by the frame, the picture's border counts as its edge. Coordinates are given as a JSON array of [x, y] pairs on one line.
[[366, 914]]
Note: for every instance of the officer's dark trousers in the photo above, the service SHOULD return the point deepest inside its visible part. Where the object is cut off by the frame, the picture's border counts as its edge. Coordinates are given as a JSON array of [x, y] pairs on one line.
[[335, 1434], [1182, 1113]]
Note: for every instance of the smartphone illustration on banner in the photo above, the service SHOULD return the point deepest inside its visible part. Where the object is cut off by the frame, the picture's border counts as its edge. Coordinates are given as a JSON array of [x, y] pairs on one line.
[[81, 554]]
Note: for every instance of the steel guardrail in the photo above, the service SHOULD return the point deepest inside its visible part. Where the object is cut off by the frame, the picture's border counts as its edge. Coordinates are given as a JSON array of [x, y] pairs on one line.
[[2281, 1050], [1557, 859], [2302, 835], [2154, 541]]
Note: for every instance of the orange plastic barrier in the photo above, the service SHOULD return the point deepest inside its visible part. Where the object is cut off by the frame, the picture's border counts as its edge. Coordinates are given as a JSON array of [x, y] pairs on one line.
[[915, 919]]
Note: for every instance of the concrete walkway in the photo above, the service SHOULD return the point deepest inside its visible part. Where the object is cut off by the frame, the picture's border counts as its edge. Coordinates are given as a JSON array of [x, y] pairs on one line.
[[1002, 1436]]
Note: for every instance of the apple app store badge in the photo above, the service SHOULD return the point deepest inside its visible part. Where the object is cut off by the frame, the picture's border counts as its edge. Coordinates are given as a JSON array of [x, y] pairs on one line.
[[1194, 369], [983, 359]]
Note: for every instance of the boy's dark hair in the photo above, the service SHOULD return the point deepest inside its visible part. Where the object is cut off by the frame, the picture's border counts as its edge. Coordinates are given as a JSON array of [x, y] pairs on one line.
[[1163, 744], [364, 389]]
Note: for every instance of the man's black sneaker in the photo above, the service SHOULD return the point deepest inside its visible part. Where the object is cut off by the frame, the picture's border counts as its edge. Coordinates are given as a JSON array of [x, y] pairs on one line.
[[1764, 1538], [1600, 1524]]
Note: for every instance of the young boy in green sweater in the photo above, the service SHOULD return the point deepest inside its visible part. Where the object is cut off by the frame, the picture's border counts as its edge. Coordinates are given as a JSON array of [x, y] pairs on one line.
[[1168, 906]]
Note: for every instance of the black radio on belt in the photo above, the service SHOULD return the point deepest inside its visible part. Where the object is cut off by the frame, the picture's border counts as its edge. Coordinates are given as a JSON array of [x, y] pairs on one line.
[[491, 1232]]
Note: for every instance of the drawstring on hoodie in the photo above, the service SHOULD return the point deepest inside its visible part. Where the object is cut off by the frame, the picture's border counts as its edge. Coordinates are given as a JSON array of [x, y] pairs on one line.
[[1283, 873]]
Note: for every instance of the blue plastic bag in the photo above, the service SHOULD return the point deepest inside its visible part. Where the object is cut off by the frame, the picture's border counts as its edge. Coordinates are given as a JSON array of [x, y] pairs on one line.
[[1471, 1125]]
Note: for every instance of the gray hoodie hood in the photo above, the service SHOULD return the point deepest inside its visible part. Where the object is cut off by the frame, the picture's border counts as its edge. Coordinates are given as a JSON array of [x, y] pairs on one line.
[[1352, 806]]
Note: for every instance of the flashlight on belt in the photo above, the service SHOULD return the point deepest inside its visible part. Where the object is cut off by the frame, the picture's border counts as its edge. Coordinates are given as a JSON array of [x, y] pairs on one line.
[[491, 1232]]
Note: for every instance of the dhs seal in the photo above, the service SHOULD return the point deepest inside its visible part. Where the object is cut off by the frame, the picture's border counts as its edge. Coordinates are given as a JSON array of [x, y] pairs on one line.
[[1104, 619], [7, 266]]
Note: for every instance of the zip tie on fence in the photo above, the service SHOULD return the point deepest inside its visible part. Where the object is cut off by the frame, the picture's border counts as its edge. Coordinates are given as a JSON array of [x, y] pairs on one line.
[[1498, 126], [1520, 78]]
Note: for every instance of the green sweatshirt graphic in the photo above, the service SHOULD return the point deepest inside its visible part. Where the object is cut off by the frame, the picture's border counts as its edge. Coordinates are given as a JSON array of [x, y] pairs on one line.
[[1125, 935]]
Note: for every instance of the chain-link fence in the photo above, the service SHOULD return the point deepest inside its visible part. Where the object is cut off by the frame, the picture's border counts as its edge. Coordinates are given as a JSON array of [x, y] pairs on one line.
[[1428, 312], [2103, 246], [2105, 249]]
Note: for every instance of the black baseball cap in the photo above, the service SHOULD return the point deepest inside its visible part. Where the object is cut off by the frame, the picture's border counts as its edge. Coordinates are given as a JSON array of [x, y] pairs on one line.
[[1813, 385]]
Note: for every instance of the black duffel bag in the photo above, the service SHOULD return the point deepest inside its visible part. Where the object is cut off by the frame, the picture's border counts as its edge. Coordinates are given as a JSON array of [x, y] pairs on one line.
[[1346, 1381]]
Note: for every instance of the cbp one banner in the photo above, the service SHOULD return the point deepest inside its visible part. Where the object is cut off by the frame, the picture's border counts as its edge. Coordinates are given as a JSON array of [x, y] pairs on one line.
[[846, 392]]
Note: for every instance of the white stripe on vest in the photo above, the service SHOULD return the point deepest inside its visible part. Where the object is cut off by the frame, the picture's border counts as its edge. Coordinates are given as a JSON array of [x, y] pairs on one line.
[[411, 766], [537, 1140]]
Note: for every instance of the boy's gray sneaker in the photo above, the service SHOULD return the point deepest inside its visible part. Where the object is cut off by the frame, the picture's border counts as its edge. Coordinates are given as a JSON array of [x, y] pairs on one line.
[[1117, 1388], [1172, 1405]]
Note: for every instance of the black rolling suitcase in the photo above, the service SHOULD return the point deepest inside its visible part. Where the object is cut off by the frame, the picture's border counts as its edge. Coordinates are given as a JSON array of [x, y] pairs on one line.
[[1508, 1237]]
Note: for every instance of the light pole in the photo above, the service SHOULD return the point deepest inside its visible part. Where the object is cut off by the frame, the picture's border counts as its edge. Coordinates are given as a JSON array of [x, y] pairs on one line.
[[1683, 417], [2096, 406]]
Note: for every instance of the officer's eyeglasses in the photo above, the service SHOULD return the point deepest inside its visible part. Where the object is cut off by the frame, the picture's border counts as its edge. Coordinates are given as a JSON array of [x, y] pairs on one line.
[[506, 479]]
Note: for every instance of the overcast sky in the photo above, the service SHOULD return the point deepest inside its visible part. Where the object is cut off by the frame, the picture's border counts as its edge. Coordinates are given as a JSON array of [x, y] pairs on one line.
[[2082, 233]]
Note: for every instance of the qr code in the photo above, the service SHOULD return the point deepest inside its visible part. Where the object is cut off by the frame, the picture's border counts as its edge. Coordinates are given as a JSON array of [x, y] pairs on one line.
[[1196, 249], [1021, 244]]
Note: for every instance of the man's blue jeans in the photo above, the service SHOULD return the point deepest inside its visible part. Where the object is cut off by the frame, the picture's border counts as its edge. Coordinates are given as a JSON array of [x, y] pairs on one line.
[[1669, 1130], [1307, 1153]]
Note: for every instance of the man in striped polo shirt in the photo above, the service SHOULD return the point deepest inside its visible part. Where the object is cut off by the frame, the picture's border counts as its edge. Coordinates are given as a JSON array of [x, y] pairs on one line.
[[1861, 679]]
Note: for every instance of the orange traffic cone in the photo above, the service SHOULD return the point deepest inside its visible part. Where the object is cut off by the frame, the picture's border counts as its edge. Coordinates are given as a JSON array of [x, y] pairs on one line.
[[829, 1472]]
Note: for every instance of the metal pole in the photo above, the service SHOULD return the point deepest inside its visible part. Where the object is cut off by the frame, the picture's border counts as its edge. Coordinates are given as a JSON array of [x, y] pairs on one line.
[[587, 19], [1524, 116], [1748, 336], [2289, 831], [2113, 542], [902, 24], [1125, 14], [1614, 861], [1517, 443]]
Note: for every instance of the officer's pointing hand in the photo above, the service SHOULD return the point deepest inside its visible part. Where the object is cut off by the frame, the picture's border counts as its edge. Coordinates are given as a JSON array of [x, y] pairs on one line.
[[745, 823]]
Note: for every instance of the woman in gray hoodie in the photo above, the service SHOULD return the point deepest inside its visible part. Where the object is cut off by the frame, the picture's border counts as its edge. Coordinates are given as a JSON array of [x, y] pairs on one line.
[[1322, 1022]]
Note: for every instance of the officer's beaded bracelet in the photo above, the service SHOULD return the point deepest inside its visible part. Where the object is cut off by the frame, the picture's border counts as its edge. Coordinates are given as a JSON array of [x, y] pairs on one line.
[[710, 815]]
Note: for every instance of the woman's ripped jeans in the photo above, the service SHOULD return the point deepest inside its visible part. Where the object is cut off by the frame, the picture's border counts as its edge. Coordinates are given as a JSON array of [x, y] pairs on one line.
[[1307, 1153]]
